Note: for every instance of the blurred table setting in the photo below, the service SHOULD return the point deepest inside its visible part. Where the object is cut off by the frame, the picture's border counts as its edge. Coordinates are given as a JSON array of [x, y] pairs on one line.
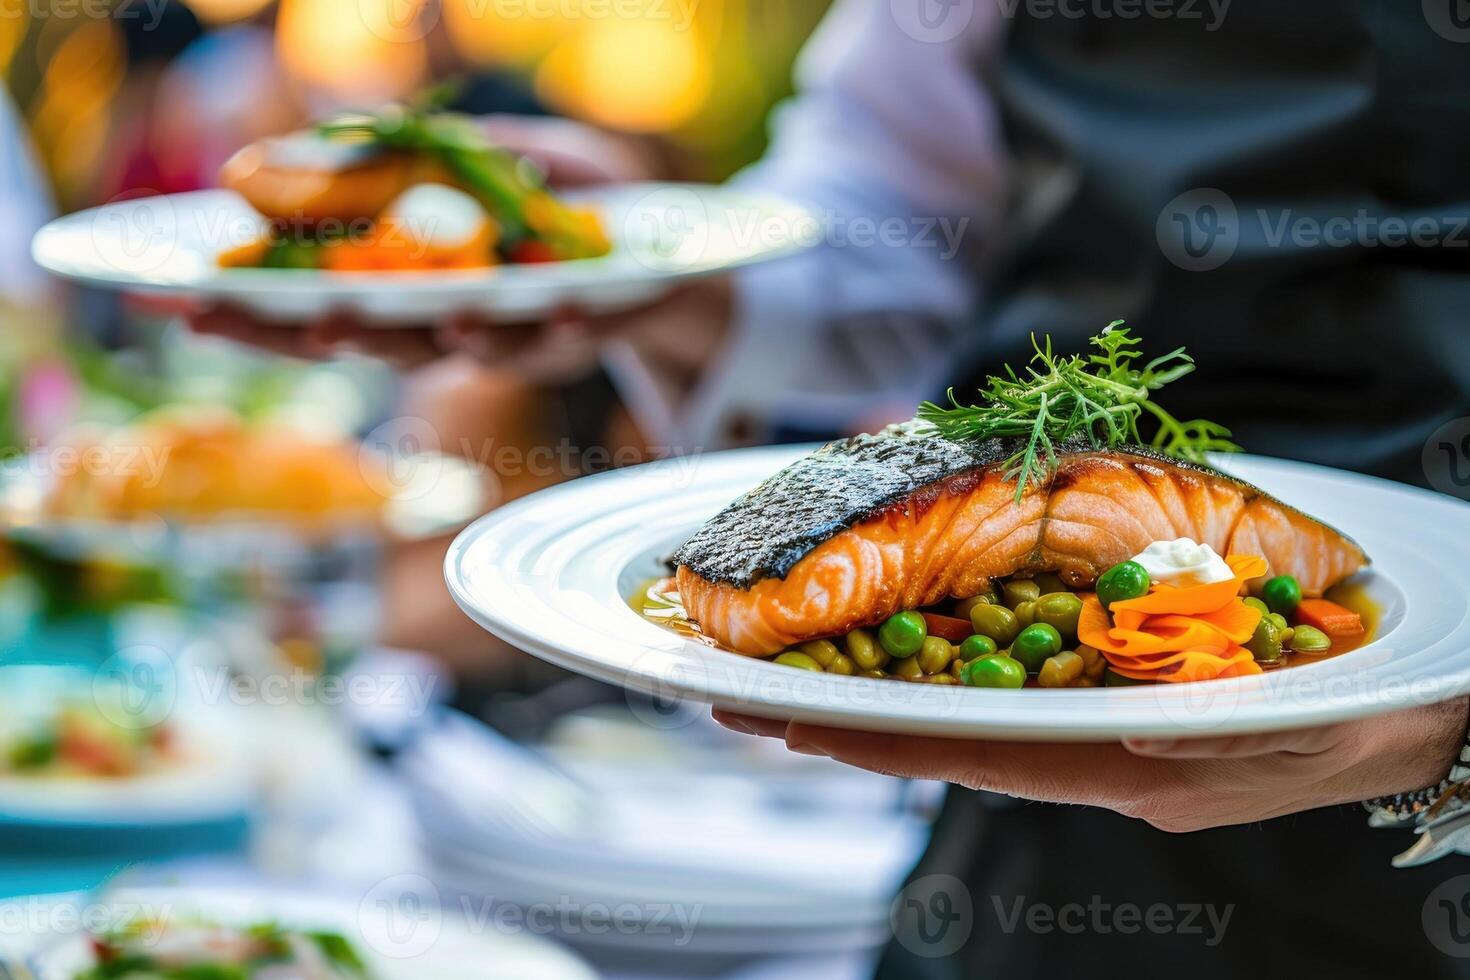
[[203, 704]]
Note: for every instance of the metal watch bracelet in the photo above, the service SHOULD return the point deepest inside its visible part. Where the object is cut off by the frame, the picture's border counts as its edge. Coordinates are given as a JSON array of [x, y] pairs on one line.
[[1439, 814]]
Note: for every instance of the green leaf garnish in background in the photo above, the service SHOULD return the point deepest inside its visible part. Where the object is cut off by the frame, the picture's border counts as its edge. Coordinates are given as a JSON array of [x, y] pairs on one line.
[[1099, 396], [507, 186]]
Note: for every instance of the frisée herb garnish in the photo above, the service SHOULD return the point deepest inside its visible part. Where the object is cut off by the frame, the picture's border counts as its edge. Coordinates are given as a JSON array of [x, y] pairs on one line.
[[1101, 396]]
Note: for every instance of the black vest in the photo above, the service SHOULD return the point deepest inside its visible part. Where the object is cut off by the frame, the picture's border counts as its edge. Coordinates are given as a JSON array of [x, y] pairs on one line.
[[1287, 195]]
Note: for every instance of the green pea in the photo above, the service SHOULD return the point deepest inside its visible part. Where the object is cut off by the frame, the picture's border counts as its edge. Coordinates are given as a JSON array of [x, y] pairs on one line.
[[792, 658], [996, 622], [1265, 642], [1061, 610], [935, 654], [1060, 670], [1282, 593], [976, 645], [993, 672], [902, 635], [1034, 644], [822, 651], [865, 651], [1257, 605], [1309, 639], [1020, 590], [1125, 580]]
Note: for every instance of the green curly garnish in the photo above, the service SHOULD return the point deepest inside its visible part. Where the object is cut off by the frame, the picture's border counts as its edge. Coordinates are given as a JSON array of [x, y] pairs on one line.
[[1100, 397]]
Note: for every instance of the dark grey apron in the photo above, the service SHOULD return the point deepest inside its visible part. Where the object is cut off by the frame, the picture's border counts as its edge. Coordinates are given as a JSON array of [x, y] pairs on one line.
[[1186, 180]]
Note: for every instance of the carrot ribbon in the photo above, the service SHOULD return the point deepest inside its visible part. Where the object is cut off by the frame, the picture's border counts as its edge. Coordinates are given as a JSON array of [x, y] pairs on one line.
[[1178, 633]]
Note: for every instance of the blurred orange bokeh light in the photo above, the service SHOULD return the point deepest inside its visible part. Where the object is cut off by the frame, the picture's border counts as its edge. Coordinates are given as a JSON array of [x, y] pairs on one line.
[[364, 51], [640, 75]]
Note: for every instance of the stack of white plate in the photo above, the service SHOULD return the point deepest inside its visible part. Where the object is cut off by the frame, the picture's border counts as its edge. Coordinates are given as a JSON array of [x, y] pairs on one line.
[[710, 848]]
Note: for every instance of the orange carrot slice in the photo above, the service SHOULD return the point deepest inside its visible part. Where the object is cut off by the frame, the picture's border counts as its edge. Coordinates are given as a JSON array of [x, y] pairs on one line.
[[1329, 617], [1178, 634], [951, 628], [1191, 665]]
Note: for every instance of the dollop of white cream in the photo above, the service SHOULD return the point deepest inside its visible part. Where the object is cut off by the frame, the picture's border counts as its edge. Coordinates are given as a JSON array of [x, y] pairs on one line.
[[1183, 561], [440, 215]]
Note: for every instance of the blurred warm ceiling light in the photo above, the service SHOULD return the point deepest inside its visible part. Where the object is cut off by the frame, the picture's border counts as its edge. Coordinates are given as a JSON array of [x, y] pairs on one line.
[[642, 75], [226, 11], [70, 113], [364, 51], [505, 32]]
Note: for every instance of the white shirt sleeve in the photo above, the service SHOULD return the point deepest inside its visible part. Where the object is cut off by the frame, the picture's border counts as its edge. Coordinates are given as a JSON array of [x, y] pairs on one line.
[[893, 145], [25, 205]]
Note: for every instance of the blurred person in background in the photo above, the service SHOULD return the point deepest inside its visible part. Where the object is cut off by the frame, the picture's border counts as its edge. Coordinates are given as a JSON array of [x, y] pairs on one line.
[[25, 205], [1101, 167]]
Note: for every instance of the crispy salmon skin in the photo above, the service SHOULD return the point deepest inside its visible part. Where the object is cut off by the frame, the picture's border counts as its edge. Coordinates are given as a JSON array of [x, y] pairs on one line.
[[872, 525]]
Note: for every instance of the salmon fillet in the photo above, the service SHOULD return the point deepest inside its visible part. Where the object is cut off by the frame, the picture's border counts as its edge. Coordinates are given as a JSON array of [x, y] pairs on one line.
[[870, 526]]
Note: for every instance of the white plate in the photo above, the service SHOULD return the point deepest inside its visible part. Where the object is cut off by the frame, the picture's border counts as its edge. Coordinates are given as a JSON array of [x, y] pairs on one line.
[[168, 246], [552, 573], [397, 927]]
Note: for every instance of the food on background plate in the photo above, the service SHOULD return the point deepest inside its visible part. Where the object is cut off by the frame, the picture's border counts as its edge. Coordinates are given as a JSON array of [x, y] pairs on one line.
[[174, 948], [1035, 535], [398, 189], [206, 466], [78, 742]]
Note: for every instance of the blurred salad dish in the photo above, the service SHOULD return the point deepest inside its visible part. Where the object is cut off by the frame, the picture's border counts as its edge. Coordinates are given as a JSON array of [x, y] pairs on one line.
[[80, 742], [170, 949]]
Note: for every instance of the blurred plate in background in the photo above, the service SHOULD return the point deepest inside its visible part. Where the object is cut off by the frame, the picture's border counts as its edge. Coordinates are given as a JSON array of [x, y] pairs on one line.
[[698, 841], [168, 246]]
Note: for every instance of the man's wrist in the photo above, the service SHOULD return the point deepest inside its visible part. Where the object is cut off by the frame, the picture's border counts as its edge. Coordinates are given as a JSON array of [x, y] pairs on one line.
[[1435, 757]]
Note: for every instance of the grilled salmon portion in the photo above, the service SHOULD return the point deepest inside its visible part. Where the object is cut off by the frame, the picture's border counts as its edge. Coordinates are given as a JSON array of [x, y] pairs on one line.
[[870, 526]]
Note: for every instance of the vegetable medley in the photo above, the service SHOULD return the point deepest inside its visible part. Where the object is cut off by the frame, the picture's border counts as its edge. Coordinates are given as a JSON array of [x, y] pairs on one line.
[[1040, 632]]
